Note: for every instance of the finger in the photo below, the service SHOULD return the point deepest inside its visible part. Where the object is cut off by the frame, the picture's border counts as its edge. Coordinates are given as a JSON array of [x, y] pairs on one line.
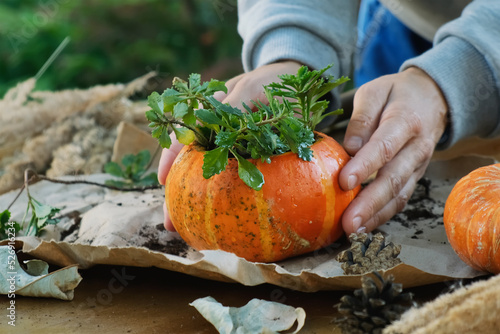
[[220, 95], [395, 205], [369, 102], [167, 158], [394, 132], [244, 92], [167, 222], [379, 217], [388, 184]]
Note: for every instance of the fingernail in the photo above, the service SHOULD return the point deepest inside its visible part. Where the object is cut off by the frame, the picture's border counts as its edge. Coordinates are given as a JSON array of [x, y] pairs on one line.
[[362, 229], [353, 143], [352, 180], [356, 224]]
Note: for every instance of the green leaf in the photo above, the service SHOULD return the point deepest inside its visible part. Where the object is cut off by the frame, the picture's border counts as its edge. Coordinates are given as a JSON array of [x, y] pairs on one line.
[[148, 180], [329, 86], [249, 118], [184, 135], [135, 167], [215, 86], [152, 116], [180, 110], [141, 162], [156, 133], [16, 226], [298, 138], [42, 216], [250, 174], [215, 161], [128, 160], [170, 98], [189, 118], [180, 85], [42, 210], [202, 88], [114, 169], [209, 117], [155, 102], [194, 80], [302, 70], [164, 138], [5, 226], [4, 218], [224, 107], [305, 153], [226, 139], [335, 112]]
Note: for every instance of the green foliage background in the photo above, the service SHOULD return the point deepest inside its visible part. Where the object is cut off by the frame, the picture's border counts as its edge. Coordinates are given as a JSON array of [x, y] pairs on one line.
[[117, 40]]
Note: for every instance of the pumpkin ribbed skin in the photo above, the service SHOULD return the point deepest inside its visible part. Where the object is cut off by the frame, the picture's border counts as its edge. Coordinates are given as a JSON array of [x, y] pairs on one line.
[[297, 210], [472, 218]]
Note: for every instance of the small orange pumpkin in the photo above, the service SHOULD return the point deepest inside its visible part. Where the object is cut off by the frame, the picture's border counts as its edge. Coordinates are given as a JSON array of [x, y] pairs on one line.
[[472, 218], [298, 209]]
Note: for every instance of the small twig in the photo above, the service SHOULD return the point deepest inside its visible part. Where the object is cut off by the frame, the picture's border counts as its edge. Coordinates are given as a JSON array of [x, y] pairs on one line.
[[17, 196], [27, 180], [52, 57], [158, 147], [45, 178]]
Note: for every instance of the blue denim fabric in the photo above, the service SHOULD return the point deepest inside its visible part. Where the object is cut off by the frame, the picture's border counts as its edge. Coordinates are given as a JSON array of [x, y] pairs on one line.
[[384, 43]]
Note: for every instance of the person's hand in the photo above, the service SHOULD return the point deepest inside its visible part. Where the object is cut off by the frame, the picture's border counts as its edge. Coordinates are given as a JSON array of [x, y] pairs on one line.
[[167, 158], [395, 125], [242, 88], [249, 86]]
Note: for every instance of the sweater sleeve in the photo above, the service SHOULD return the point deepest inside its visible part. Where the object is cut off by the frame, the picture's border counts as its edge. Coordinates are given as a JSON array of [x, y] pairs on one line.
[[312, 32], [465, 63]]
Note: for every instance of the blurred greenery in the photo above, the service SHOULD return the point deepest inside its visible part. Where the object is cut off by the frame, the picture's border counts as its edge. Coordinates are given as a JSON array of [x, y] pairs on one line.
[[117, 41]]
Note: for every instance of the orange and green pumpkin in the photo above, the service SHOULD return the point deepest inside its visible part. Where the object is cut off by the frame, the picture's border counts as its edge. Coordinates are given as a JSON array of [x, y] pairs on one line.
[[298, 209]]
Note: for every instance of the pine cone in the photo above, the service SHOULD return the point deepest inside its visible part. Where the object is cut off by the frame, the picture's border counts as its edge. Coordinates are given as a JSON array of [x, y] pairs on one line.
[[367, 255], [377, 304]]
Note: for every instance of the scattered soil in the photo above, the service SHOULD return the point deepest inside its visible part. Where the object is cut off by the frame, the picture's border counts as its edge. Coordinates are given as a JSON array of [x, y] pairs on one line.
[[153, 237], [175, 246], [417, 208], [75, 216]]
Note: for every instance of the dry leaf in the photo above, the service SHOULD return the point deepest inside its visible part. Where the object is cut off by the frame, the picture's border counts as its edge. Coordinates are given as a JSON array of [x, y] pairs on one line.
[[36, 281], [258, 316]]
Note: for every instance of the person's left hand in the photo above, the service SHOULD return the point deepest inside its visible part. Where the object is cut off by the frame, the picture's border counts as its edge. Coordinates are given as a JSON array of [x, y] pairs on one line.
[[396, 122]]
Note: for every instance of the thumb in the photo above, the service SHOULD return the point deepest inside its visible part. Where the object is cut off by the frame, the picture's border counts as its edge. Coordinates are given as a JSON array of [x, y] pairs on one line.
[[167, 158]]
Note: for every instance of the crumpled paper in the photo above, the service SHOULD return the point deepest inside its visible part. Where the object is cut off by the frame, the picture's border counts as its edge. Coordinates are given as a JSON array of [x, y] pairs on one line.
[[258, 316], [123, 228], [35, 280]]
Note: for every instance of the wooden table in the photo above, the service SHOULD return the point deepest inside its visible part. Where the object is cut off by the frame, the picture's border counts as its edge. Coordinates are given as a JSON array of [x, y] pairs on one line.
[[115, 299]]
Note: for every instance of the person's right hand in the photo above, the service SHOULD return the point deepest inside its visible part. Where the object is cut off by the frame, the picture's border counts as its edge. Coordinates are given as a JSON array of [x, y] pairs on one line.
[[242, 88]]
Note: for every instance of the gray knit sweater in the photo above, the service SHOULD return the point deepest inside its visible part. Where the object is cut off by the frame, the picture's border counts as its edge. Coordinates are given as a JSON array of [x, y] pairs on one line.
[[464, 60]]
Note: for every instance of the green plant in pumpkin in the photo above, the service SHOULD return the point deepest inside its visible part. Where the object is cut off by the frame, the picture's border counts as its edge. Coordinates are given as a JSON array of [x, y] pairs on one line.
[[287, 123]]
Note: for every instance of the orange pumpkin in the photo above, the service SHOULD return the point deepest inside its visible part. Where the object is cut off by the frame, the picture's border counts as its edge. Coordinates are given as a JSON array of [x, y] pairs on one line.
[[472, 218], [298, 209]]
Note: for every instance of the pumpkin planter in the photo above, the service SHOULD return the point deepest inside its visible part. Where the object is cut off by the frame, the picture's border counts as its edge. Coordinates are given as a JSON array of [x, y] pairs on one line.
[[298, 209], [261, 183], [472, 218]]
